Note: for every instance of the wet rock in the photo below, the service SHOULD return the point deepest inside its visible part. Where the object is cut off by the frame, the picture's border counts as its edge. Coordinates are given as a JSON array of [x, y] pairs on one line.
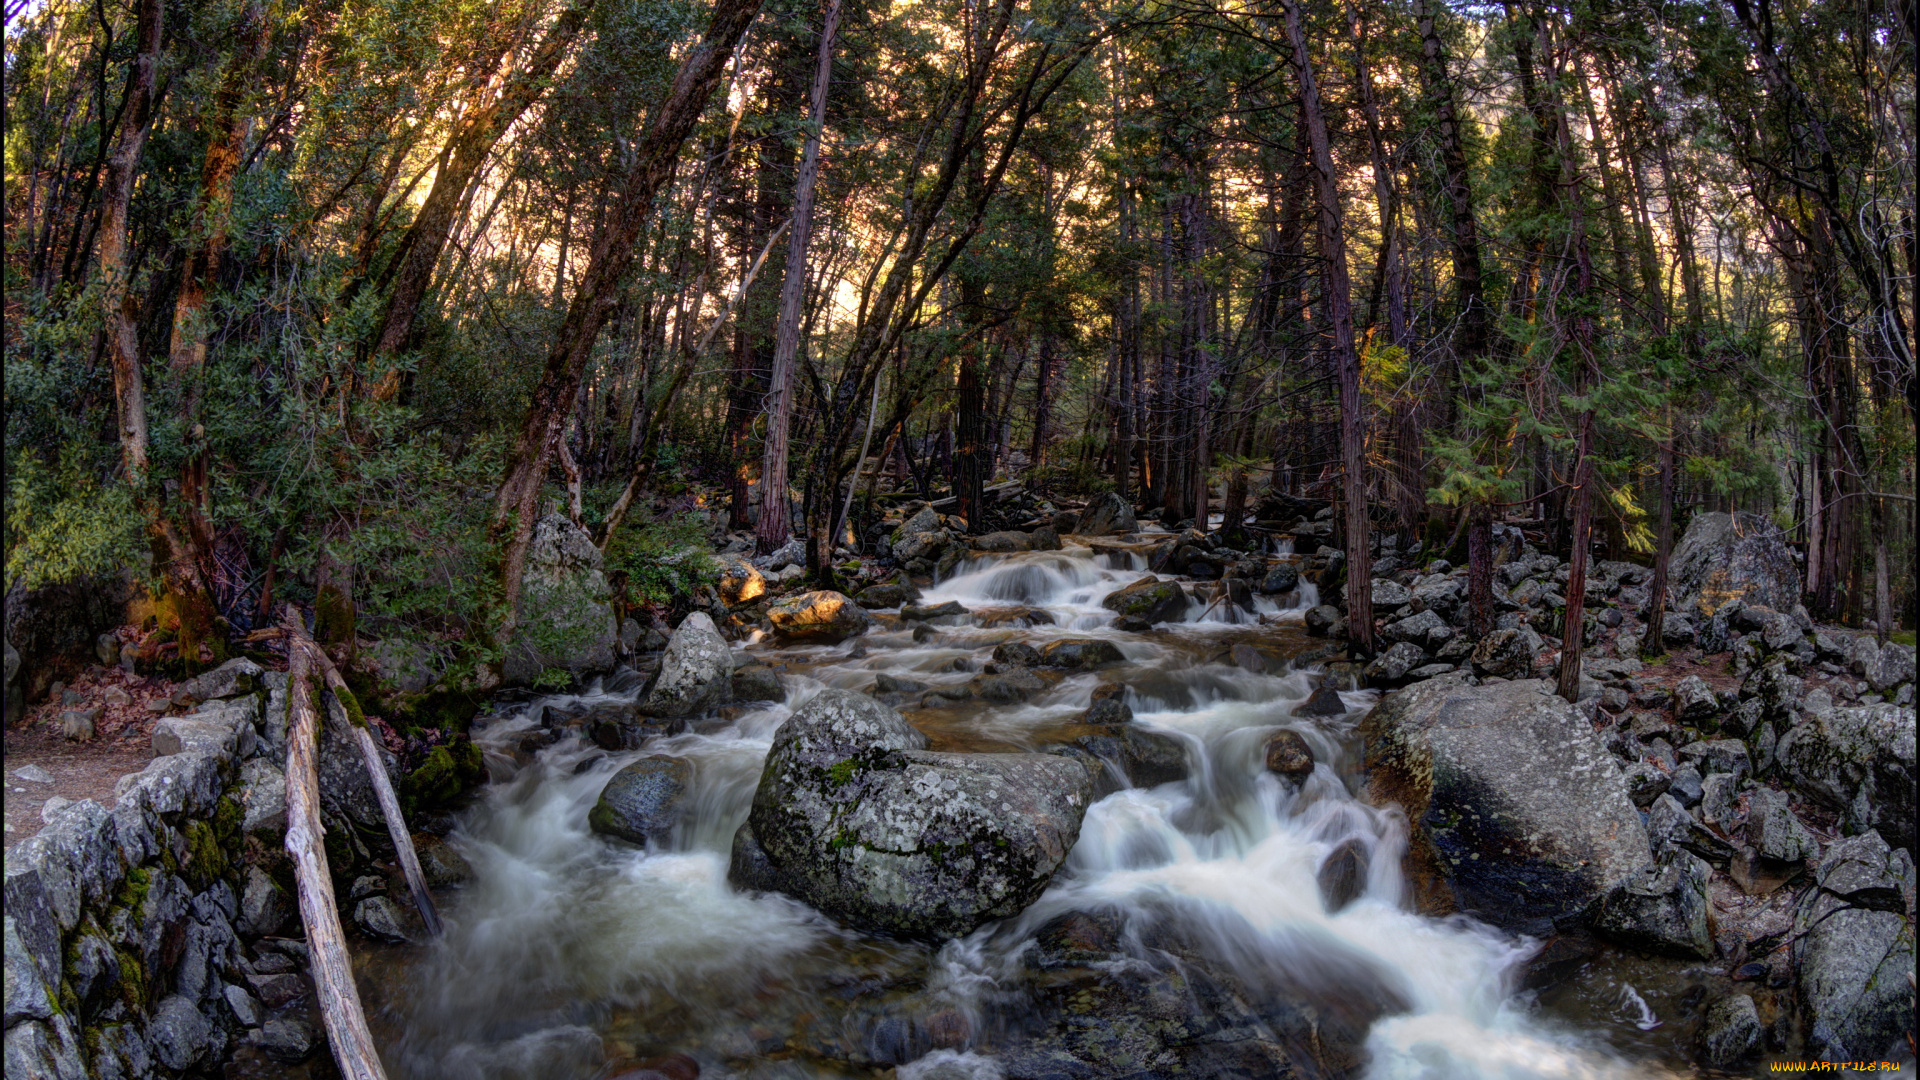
[[1080, 654], [440, 864], [1343, 876], [1324, 701], [1289, 755], [1006, 541], [1149, 599], [949, 610], [757, 682], [891, 595], [1075, 939], [1016, 654], [885, 683], [1726, 557], [1045, 538], [854, 816], [379, 917], [1392, 667], [1848, 755], [1281, 578], [643, 801], [1660, 909], [1508, 654], [1774, 831], [1521, 816], [1107, 514], [1731, 1031], [564, 593], [1123, 755], [1325, 621], [1109, 706], [822, 615], [1007, 689], [696, 672]]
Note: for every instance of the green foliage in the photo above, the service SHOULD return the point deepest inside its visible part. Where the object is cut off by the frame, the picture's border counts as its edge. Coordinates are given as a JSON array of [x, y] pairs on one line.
[[662, 560], [63, 524]]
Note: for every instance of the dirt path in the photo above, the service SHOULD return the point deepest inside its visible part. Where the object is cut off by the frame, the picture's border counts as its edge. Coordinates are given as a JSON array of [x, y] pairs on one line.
[[122, 744]]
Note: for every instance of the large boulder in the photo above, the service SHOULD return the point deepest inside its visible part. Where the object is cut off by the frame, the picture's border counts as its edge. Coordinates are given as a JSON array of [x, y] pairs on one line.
[[1727, 557], [1107, 514], [821, 615], [1521, 815], [696, 672], [741, 582], [566, 615], [1149, 598], [54, 627], [1859, 761], [856, 817], [1853, 953], [1661, 909]]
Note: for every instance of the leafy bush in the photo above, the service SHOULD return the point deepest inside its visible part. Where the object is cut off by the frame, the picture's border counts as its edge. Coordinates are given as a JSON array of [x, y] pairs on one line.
[[661, 560]]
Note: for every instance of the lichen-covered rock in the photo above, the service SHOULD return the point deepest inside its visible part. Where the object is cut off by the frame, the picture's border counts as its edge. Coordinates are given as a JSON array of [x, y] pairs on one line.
[[1281, 578], [1660, 909], [821, 615], [1423, 628], [1392, 667], [1855, 971], [1508, 653], [1150, 599], [1773, 829], [1854, 759], [1521, 815], [1889, 667], [1726, 557], [854, 816], [696, 672], [1325, 620], [1289, 755], [1693, 700], [1731, 1031], [237, 676], [1107, 514], [1388, 595], [566, 618], [643, 801]]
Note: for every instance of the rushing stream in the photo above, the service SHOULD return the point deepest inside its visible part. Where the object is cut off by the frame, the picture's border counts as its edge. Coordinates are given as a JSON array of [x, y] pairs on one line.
[[569, 954]]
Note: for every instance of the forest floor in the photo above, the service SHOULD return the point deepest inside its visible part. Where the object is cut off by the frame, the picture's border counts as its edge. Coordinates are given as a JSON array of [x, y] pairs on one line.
[[121, 744]]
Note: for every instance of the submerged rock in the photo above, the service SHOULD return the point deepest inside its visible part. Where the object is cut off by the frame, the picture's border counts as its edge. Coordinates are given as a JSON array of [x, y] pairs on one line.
[[1521, 815], [854, 816]]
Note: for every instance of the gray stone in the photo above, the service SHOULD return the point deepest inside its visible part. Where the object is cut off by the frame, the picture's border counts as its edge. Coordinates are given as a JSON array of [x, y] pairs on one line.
[[1731, 1031], [566, 616], [263, 794], [286, 1041], [1714, 757], [33, 774], [265, 907], [1016, 654], [27, 993], [1687, 786], [1080, 654], [1891, 666], [1282, 578], [696, 672], [1773, 829], [1660, 909], [1780, 632], [1324, 701], [1855, 971], [1859, 869], [1645, 783], [1289, 755], [1392, 667], [180, 1036], [1726, 557], [1107, 514], [179, 734], [930, 612], [1388, 595], [231, 679], [891, 595], [381, 918], [1717, 796], [643, 801], [855, 817], [1325, 620], [1508, 654], [43, 1049], [757, 682], [1424, 628], [1838, 756], [1693, 700], [244, 1008], [1517, 806]]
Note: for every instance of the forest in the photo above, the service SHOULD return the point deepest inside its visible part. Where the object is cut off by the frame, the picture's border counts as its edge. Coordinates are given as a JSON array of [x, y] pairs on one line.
[[530, 354]]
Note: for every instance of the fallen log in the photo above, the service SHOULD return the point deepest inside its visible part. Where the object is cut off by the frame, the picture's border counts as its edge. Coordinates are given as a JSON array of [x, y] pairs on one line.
[[355, 728], [332, 968]]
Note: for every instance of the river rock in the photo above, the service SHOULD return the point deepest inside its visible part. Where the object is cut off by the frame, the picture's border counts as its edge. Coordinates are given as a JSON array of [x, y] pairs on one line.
[[566, 615], [1003, 541], [854, 816], [1123, 754], [1325, 620], [1343, 876], [643, 801], [822, 615], [1289, 755], [696, 672], [1726, 557], [1521, 815], [741, 582], [1016, 654], [1324, 701], [757, 682], [288, 1041], [379, 917], [1281, 578], [952, 609], [1857, 758], [1660, 909], [1080, 654], [1108, 706], [1107, 514], [1150, 599]]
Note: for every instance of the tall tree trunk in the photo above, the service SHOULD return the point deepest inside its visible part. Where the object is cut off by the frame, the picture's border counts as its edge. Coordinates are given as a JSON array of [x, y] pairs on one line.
[[773, 526], [1339, 305], [1653, 643], [593, 303]]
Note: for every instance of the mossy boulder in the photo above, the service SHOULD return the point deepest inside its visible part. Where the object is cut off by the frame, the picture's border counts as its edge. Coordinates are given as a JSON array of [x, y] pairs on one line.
[[444, 774], [1150, 599]]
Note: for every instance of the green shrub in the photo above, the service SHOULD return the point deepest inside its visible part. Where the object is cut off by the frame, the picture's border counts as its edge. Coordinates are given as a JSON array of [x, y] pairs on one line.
[[661, 560]]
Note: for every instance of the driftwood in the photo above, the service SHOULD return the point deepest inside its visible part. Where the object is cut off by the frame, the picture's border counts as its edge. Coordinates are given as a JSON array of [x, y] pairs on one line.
[[356, 729], [333, 983]]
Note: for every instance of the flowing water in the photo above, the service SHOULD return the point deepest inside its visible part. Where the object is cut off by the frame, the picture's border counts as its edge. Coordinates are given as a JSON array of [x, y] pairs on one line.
[[568, 954]]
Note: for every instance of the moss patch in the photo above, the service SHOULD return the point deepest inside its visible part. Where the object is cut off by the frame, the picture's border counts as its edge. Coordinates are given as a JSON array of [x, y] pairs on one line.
[[443, 775], [206, 860]]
